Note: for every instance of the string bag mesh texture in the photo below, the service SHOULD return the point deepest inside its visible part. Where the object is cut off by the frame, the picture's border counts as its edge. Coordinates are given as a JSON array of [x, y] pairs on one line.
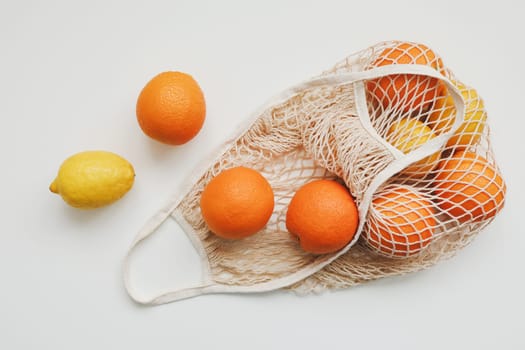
[[390, 122]]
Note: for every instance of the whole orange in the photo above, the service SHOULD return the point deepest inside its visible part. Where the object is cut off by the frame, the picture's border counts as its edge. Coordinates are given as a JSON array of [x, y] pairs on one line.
[[468, 187], [401, 221], [406, 91], [237, 203], [171, 108], [323, 215]]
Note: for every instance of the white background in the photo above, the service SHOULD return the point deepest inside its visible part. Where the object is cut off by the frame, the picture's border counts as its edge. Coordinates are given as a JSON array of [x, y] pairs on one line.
[[70, 73]]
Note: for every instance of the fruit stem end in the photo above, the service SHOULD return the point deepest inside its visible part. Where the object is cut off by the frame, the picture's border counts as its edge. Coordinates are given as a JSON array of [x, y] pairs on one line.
[[53, 187]]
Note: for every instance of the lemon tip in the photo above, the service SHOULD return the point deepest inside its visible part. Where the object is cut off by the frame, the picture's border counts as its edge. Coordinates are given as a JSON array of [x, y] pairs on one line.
[[53, 187]]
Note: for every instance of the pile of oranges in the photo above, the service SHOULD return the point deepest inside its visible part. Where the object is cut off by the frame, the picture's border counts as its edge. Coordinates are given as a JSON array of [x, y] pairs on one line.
[[403, 218], [455, 185], [239, 201]]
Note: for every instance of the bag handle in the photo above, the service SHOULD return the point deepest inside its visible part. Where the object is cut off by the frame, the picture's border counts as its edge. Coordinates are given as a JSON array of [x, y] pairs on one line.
[[208, 286], [166, 296]]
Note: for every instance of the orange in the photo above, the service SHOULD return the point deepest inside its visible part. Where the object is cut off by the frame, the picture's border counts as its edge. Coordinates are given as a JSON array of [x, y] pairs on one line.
[[406, 91], [237, 203], [469, 188], [401, 221], [171, 108], [323, 215]]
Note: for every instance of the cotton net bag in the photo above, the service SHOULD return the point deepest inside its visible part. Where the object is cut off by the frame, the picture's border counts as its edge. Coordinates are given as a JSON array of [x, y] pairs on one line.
[[392, 123]]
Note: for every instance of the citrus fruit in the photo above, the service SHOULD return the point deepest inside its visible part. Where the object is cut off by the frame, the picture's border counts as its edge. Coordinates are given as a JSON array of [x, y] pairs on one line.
[[93, 179], [400, 222], [468, 187], [407, 134], [323, 215], [406, 91], [443, 113], [171, 108], [443, 116], [237, 203]]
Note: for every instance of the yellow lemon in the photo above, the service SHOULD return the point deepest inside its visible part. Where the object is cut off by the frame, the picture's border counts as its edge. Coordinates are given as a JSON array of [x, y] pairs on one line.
[[443, 115], [408, 134], [93, 179]]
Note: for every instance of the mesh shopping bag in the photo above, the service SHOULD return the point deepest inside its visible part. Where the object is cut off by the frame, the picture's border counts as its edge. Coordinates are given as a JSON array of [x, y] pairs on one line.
[[407, 138]]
